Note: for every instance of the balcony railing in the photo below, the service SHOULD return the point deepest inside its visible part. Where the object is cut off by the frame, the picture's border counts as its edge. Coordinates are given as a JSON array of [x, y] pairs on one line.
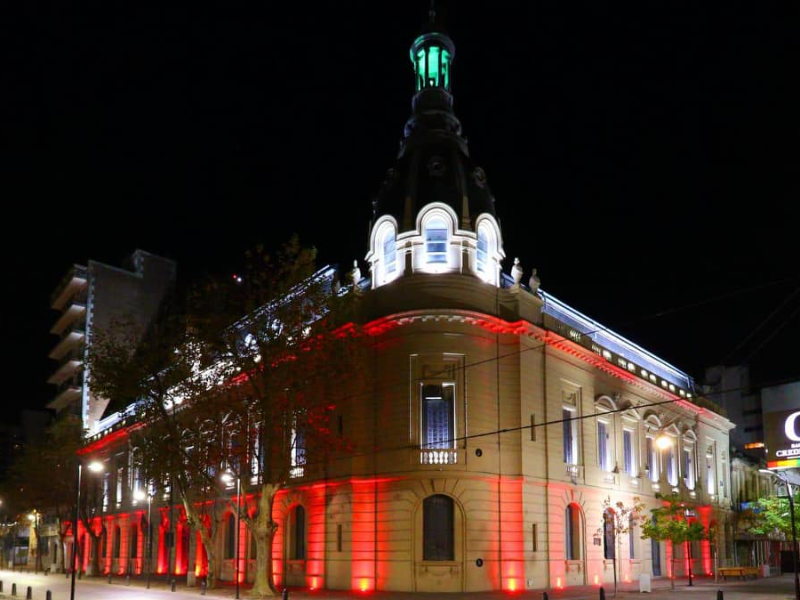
[[572, 472], [77, 274], [438, 456]]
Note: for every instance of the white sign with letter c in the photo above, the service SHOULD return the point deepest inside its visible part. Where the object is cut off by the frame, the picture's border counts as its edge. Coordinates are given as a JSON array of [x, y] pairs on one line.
[[790, 428]]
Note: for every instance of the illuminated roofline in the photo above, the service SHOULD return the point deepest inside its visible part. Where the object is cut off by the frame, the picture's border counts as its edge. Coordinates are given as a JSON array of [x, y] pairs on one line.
[[616, 342]]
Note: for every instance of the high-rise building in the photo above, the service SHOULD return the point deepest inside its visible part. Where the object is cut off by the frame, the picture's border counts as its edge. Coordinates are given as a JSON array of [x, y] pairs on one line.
[[89, 298]]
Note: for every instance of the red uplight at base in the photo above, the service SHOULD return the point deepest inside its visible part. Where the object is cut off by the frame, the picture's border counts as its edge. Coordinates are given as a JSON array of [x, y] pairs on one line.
[[363, 585], [558, 583], [596, 580]]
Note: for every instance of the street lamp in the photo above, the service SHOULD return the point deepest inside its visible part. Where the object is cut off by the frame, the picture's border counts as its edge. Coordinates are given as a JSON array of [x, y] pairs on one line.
[[227, 478], [663, 442], [34, 519], [790, 495], [688, 513], [140, 495], [95, 467]]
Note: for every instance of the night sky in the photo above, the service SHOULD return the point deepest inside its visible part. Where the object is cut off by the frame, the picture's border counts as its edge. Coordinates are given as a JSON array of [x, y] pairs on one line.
[[643, 155]]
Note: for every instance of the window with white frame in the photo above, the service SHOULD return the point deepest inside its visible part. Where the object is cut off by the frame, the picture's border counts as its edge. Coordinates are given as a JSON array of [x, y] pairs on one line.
[[604, 456], [629, 451], [653, 471], [483, 251], [389, 249], [437, 415], [120, 479], [135, 473], [711, 474], [436, 240], [569, 428], [106, 488], [671, 464], [298, 451], [689, 476]]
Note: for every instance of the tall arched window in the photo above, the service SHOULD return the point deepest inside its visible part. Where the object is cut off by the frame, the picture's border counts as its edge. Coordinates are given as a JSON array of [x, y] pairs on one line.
[[436, 241], [389, 248], [574, 533], [296, 531], [483, 251], [438, 534], [230, 537], [608, 534]]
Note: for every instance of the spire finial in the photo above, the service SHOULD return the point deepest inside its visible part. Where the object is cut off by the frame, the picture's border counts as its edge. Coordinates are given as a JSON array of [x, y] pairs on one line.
[[432, 11]]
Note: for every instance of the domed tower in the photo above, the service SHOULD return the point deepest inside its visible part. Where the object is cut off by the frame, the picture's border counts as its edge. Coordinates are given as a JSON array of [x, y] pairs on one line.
[[434, 212]]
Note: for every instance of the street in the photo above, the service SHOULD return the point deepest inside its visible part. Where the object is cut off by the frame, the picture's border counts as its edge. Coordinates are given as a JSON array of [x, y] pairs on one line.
[[774, 588]]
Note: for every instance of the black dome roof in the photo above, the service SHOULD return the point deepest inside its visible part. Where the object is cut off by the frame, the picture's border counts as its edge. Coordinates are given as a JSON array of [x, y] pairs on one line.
[[433, 164]]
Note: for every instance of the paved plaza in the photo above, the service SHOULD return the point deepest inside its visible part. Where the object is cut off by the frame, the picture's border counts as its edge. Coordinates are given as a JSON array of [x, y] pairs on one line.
[[774, 588]]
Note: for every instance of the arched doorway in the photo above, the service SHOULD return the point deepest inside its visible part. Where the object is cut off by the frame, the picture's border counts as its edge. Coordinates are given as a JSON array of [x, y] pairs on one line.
[[439, 555], [575, 545], [609, 545], [655, 553], [295, 543]]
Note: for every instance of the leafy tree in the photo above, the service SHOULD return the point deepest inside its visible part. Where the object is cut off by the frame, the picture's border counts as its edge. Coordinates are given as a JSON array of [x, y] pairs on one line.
[[163, 375], [33, 484], [619, 520], [671, 525], [290, 357], [242, 381], [770, 517]]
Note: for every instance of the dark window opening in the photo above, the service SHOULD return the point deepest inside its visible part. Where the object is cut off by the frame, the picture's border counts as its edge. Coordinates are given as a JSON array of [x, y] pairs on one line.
[[438, 541]]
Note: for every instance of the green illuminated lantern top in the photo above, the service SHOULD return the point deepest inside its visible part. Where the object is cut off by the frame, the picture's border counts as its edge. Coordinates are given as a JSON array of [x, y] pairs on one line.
[[432, 55]]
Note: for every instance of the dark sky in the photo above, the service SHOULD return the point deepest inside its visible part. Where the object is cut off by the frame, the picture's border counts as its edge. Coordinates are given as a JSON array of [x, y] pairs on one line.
[[643, 155]]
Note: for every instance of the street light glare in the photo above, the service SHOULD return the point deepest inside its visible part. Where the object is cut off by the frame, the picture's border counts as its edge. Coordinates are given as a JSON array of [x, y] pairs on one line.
[[95, 466], [226, 478], [139, 495], [32, 517], [663, 442]]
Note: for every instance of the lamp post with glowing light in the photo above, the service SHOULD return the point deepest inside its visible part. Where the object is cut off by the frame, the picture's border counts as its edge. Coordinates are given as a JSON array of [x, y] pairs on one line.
[[795, 553], [687, 514], [140, 495], [227, 478], [34, 519], [94, 467]]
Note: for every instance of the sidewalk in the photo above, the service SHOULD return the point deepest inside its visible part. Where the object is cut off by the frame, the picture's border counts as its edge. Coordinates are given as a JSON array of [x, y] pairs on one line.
[[774, 588]]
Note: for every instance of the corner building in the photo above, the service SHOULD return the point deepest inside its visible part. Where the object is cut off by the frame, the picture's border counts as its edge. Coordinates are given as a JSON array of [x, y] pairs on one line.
[[500, 417]]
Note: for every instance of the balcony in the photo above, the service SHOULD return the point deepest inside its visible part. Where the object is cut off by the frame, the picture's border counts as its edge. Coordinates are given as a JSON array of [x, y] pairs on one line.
[[438, 456], [74, 281], [68, 392], [74, 309], [71, 337], [70, 363], [573, 472]]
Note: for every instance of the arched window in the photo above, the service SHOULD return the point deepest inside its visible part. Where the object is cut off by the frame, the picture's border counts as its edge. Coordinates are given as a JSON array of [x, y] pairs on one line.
[[389, 247], [436, 241], [574, 533], [296, 531], [230, 537], [608, 534], [438, 535], [483, 251]]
